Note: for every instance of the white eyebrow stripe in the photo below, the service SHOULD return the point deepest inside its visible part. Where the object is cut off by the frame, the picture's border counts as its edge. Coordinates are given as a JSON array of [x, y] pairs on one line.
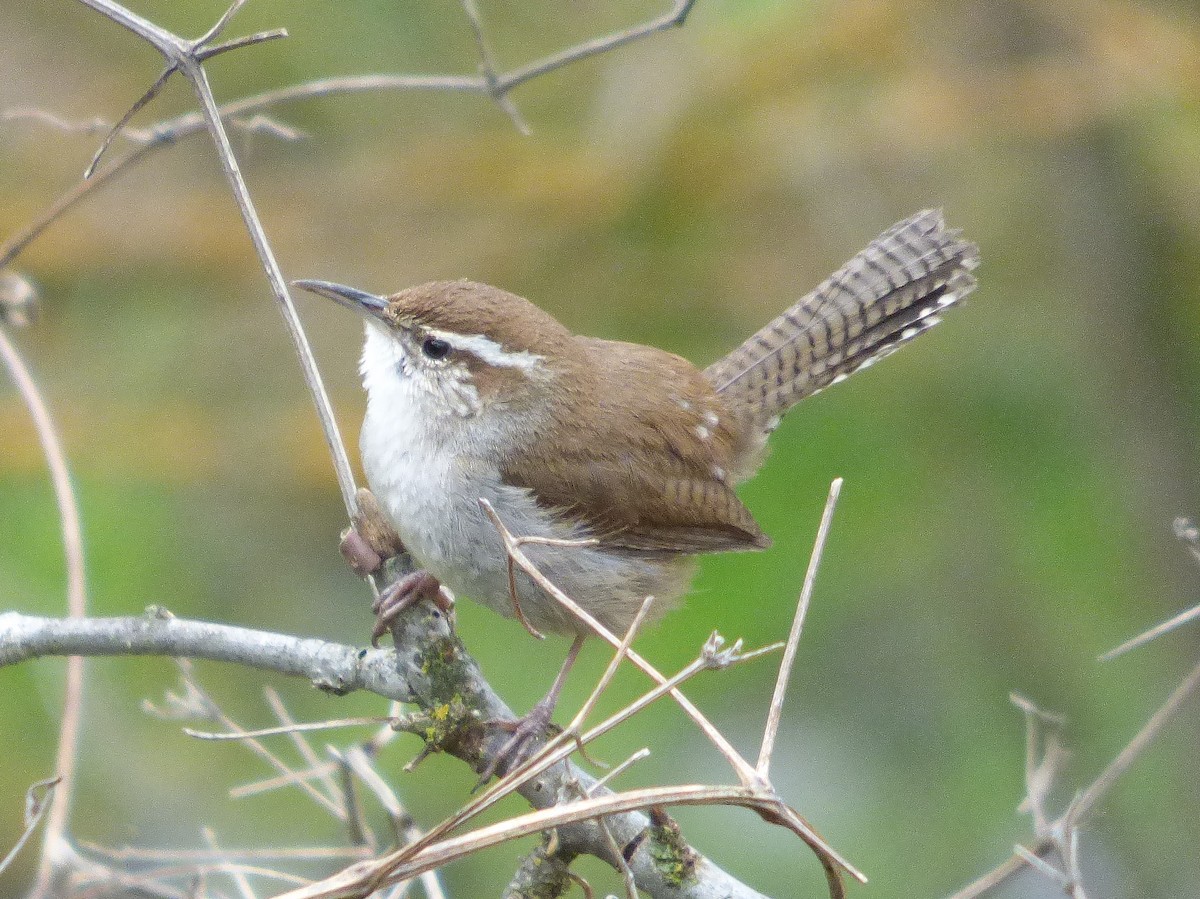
[[487, 350]]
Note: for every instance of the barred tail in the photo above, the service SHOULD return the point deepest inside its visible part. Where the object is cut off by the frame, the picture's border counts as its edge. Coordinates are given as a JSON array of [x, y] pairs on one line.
[[882, 298]]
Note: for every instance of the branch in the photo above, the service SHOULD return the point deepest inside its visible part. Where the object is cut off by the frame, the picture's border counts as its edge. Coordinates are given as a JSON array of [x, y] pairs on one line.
[[166, 133], [429, 666], [188, 57], [1062, 834]]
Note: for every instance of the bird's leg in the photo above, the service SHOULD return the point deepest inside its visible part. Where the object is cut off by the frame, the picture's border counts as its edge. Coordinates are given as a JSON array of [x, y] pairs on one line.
[[370, 540], [532, 726]]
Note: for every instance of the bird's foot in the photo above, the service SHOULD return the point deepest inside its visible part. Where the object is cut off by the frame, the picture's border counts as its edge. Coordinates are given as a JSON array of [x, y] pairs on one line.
[[525, 733], [404, 593]]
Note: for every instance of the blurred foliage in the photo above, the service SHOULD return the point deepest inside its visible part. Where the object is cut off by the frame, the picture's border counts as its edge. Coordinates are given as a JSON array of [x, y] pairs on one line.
[[1010, 479]]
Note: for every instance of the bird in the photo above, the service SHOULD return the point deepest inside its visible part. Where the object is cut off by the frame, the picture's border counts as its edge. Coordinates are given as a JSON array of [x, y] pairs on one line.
[[627, 454]]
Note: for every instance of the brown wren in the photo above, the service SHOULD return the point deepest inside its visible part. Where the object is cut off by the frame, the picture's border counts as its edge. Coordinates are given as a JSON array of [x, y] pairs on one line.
[[474, 393]]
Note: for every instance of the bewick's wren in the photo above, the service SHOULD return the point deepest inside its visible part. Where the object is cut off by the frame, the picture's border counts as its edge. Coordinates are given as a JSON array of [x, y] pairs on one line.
[[475, 393]]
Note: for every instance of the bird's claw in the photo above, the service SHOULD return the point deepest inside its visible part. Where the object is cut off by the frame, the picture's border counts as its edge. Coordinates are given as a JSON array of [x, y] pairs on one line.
[[404, 593], [526, 732]]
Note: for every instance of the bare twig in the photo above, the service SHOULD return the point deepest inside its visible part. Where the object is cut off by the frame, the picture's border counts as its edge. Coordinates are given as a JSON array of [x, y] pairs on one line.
[[36, 804], [72, 537], [1188, 534], [289, 853], [1062, 834], [356, 819], [302, 745], [1083, 806], [189, 124], [302, 727], [793, 641], [512, 545], [236, 874], [488, 69], [674, 17], [393, 673], [1155, 632], [96, 125], [138, 105]]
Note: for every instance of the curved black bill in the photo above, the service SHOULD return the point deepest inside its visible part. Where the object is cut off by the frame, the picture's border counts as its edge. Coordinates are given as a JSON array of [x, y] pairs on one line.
[[351, 297]]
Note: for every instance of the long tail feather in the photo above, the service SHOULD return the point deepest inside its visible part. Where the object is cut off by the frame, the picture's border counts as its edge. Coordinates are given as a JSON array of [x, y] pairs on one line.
[[885, 296]]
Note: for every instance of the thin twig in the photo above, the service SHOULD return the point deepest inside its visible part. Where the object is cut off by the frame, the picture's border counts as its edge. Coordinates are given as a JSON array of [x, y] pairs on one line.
[[289, 853], [67, 755], [671, 19], [745, 772], [610, 672], [270, 784], [1157, 631], [1188, 534], [138, 105], [618, 770], [356, 820], [237, 875], [1082, 807], [789, 653], [37, 801], [190, 124], [219, 25], [302, 745], [301, 727], [488, 68]]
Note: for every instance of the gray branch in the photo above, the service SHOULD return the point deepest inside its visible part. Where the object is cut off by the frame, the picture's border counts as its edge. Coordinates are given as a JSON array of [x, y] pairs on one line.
[[429, 667]]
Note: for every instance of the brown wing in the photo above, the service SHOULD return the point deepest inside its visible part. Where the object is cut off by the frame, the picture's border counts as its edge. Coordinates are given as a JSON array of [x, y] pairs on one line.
[[642, 479]]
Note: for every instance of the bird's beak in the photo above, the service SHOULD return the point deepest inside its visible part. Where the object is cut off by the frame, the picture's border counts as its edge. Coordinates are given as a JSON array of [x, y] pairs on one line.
[[365, 304]]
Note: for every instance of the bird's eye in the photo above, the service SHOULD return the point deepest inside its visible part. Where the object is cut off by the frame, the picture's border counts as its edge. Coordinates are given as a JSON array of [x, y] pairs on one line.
[[435, 348]]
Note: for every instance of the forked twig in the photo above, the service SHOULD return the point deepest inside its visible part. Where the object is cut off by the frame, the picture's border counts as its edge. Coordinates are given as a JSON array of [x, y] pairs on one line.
[[189, 124], [200, 701], [1061, 834], [751, 779], [37, 800]]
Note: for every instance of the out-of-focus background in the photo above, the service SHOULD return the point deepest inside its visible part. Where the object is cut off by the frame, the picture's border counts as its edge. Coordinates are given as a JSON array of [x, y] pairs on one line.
[[1011, 478]]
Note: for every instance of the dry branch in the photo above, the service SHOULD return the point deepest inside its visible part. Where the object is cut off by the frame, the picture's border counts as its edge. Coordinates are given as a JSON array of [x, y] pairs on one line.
[[400, 674]]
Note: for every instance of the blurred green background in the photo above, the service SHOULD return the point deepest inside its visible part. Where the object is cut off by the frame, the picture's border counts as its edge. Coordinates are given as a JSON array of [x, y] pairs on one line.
[[1010, 479]]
